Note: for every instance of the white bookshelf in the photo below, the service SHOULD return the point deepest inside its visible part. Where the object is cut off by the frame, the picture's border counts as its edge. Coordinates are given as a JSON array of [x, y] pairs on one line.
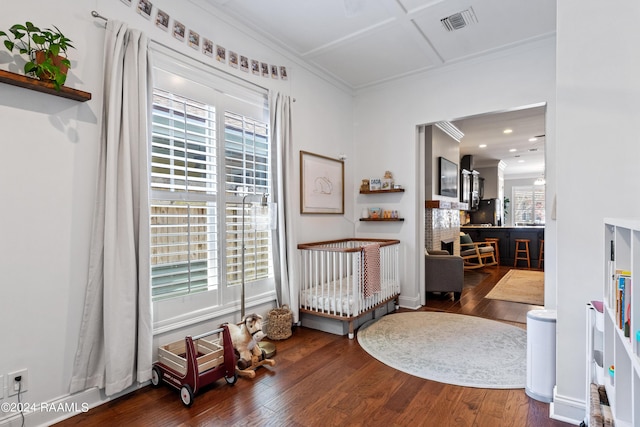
[[622, 253]]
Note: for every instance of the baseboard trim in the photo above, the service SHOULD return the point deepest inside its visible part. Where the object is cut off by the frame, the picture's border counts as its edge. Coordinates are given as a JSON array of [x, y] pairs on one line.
[[567, 409], [410, 303]]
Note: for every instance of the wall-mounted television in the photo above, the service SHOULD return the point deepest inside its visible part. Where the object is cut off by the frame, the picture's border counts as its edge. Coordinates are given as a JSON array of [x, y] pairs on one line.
[[448, 178]]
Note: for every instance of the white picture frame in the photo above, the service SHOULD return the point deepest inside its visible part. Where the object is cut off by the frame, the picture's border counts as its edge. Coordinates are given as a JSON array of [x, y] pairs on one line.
[[375, 184], [321, 184]]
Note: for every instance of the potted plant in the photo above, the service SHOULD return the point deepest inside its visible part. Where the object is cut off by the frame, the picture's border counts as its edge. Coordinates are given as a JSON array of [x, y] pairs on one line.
[[46, 51]]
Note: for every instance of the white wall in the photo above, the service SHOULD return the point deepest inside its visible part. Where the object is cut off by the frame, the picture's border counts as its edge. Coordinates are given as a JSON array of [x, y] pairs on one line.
[[598, 106], [47, 170], [439, 144], [385, 136]]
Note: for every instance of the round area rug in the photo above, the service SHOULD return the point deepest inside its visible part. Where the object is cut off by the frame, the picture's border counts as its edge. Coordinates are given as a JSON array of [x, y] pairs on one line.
[[449, 348]]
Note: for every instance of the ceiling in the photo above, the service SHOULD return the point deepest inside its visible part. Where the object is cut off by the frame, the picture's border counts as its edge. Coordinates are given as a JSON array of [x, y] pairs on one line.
[[522, 156], [361, 43]]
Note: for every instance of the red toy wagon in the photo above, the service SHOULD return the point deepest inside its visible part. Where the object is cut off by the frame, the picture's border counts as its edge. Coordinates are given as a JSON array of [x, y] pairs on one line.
[[196, 362]]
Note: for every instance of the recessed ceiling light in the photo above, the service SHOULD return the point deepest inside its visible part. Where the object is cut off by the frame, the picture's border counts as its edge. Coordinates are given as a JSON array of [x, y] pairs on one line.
[[507, 131], [534, 139], [513, 150], [482, 145], [521, 161]]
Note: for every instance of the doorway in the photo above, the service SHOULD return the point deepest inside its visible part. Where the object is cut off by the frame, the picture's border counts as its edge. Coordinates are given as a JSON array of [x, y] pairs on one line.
[[512, 143]]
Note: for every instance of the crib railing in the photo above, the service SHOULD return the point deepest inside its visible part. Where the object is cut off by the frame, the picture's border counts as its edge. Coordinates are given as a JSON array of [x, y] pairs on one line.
[[332, 278]]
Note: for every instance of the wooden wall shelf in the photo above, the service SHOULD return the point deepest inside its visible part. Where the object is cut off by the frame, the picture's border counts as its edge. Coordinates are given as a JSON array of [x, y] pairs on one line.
[[41, 86], [393, 190], [381, 219]]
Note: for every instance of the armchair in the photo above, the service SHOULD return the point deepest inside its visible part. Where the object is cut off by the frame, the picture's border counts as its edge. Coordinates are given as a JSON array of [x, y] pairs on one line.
[[476, 254], [443, 273]]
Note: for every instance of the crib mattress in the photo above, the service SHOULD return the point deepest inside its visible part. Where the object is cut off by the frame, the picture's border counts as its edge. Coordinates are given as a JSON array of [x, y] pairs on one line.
[[330, 298]]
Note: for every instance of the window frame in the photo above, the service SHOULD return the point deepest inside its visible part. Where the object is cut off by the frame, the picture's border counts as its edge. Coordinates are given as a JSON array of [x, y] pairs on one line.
[[535, 201], [226, 94]]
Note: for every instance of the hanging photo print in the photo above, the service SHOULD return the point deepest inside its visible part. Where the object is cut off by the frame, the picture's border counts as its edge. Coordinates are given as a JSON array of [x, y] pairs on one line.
[[255, 67], [233, 59], [221, 54], [244, 63], [207, 47], [162, 20], [178, 30], [144, 8], [194, 39]]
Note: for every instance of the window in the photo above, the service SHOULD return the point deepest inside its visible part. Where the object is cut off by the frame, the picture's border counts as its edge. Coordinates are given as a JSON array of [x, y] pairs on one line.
[[209, 149], [528, 204], [246, 172], [184, 236]]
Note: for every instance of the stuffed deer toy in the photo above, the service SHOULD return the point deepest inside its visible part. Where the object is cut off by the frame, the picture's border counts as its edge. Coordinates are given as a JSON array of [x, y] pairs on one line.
[[245, 340]]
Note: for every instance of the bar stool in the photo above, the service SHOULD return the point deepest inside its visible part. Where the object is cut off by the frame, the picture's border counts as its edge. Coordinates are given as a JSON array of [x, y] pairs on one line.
[[493, 241], [522, 250], [541, 254]]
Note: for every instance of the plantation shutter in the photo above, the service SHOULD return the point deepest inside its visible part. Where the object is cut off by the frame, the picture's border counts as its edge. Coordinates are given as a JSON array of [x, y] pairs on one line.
[[184, 240], [246, 172], [528, 207]]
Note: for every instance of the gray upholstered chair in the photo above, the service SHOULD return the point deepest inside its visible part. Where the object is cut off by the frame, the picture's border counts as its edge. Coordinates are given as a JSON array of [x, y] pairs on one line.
[[443, 272]]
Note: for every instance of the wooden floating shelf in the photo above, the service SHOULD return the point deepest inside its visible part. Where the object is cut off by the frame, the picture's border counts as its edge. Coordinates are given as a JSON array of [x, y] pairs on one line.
[[393, 190], [41, 86], [381, 219]]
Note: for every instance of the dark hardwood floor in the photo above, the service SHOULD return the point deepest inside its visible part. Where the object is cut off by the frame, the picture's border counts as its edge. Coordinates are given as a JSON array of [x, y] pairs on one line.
[[322, 379]]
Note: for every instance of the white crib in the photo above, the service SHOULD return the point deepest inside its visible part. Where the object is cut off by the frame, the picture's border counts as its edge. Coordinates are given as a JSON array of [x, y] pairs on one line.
[[332, 278]]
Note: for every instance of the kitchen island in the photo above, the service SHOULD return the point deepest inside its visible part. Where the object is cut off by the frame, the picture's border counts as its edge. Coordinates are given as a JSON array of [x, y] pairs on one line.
[[507, 244]]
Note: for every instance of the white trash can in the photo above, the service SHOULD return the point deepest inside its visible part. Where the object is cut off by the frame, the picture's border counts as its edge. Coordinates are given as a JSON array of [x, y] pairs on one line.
[[541, 354]]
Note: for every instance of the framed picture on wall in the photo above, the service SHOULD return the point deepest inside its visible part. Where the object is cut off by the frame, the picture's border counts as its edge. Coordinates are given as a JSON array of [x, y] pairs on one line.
[[448, 178], [321, 184]]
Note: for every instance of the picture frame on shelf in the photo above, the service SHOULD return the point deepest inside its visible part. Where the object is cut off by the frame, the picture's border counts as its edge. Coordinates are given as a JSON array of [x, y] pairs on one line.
[[375, 184], [375, 213], [386, 184], [321, 184]]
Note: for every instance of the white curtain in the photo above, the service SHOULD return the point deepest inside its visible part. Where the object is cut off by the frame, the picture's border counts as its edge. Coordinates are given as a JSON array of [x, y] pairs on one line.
[[285, 260], [115, 345]]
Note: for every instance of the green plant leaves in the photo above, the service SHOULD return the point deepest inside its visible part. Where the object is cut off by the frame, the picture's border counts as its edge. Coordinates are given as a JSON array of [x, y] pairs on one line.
[[38, 38], [29, 39], [55, 49]]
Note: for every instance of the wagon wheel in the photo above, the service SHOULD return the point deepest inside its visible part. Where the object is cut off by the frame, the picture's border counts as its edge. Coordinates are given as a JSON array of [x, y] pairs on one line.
[[232, 379], [156, 375], [186, 395]]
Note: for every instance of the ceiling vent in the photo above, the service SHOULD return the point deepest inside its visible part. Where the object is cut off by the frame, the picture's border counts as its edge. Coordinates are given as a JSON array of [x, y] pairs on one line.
[[459, 20]]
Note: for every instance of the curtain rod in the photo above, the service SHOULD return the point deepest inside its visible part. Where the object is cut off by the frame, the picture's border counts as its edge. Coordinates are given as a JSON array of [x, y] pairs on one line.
[[95, 14]]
